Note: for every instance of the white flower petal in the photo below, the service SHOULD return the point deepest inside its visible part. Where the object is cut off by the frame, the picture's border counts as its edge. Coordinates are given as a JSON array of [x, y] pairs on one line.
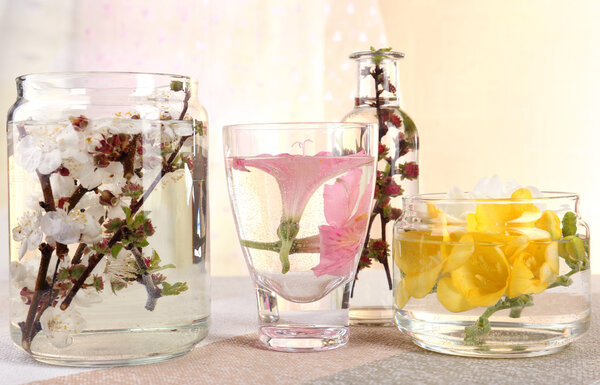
[[27, 155], [50, 162]]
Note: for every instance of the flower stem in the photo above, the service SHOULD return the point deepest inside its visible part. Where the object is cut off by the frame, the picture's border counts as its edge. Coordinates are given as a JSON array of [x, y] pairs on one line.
[[284, 252], [271, 246], [154, 293], [474, 333], [41, 285]]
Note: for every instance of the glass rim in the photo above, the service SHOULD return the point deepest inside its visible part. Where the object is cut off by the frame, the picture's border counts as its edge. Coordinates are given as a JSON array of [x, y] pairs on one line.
[[295, 126], [362, 54], [441, 198], [54, 75]]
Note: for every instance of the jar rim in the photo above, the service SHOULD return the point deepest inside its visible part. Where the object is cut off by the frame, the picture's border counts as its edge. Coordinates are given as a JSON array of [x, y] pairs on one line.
[[363, 54], [295, 126], [74, 75], [442, 198]]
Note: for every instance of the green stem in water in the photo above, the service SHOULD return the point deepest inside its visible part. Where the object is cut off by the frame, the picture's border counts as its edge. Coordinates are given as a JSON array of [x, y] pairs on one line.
[[271, 246], [284, 252], [481, 327]]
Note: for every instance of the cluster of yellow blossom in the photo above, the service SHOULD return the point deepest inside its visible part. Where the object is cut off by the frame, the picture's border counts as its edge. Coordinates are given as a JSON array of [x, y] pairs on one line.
[[506, 247]]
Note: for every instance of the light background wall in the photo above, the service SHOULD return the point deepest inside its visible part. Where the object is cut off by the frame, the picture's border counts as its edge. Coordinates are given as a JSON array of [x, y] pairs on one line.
[[507, 87]]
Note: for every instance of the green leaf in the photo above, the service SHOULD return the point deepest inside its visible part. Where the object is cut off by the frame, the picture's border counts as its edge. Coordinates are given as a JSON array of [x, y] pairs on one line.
[[142, 243], [199, 128], [116, 249], [117, 285], [174, 289], [113, 225], [176, 85], [569, 223], [159, 268], [410, 129], [77, 271], [155, 261], [98, 283], [62, 274]]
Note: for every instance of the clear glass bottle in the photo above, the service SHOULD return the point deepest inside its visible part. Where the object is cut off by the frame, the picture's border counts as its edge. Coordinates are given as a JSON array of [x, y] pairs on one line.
[[491, 277], [398, 171], [108, 217]]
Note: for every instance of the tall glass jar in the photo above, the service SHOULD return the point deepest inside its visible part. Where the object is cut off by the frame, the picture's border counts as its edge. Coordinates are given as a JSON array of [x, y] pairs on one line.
[[492, 277], [108, 217], [398, 171]]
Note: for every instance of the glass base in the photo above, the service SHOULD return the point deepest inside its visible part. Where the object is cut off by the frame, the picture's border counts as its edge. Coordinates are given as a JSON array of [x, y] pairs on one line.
[[371, 316], [505, 340], [303, 339], [119, 347]]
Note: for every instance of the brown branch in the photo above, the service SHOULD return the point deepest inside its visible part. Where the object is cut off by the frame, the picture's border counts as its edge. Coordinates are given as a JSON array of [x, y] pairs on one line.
[[41, 285], [385, 263], [78, 254], [186, 99], [129, 160], [48, 203], [93, 262], [154, 293], [76, 197]]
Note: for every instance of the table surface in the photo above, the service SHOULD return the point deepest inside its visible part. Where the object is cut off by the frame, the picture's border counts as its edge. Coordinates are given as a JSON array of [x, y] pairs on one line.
[[231, 354]]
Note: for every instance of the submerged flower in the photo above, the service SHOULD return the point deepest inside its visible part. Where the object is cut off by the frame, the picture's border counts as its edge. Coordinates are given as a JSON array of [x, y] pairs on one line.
[[34, 154], [28, 232], [341, 238], [59, 326], [533, 268], [480, 281], [71, 227], [298, 177], [61, 227]]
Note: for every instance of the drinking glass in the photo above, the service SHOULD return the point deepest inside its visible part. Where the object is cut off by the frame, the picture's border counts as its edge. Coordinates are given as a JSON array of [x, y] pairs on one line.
[[301, 195]]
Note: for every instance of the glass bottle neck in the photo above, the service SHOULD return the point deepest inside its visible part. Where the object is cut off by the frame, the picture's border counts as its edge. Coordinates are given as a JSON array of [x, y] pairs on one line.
[[377, 82]]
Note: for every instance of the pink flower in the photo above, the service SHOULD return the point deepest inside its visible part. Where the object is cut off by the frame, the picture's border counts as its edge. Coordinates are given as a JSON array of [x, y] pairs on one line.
[[342, 237], [298, 177]]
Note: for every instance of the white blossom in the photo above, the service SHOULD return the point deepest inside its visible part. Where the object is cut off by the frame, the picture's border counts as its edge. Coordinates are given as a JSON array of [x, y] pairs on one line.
[[61, 227], [91, 176], [59, 326], [120, 269], [62, 186], [32, 154], [28, 232], [71, 145]]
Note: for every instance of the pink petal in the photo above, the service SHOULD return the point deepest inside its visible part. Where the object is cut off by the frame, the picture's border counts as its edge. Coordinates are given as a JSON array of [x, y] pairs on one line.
[[340, 198]]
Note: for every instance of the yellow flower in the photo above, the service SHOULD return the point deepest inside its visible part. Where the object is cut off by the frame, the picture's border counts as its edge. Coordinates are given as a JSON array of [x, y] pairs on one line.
[[418, 254], [505, 218], [533, 268], [550, 222], [480, 281]]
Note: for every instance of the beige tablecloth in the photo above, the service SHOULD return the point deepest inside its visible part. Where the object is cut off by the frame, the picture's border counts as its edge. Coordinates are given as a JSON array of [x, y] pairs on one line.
[[231, 355]]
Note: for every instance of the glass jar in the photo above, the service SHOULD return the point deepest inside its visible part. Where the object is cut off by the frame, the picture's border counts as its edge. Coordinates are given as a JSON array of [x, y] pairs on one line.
[[492, 277], [108, 217], [397, 174]]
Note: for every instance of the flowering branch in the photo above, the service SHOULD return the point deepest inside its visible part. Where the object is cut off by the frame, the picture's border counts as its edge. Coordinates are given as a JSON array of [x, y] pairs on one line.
[[134, 208]]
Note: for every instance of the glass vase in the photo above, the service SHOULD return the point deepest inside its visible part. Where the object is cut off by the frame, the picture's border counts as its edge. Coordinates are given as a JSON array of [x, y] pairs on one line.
[[492, 277], [108, 218], [301, 195], [377, 102]]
